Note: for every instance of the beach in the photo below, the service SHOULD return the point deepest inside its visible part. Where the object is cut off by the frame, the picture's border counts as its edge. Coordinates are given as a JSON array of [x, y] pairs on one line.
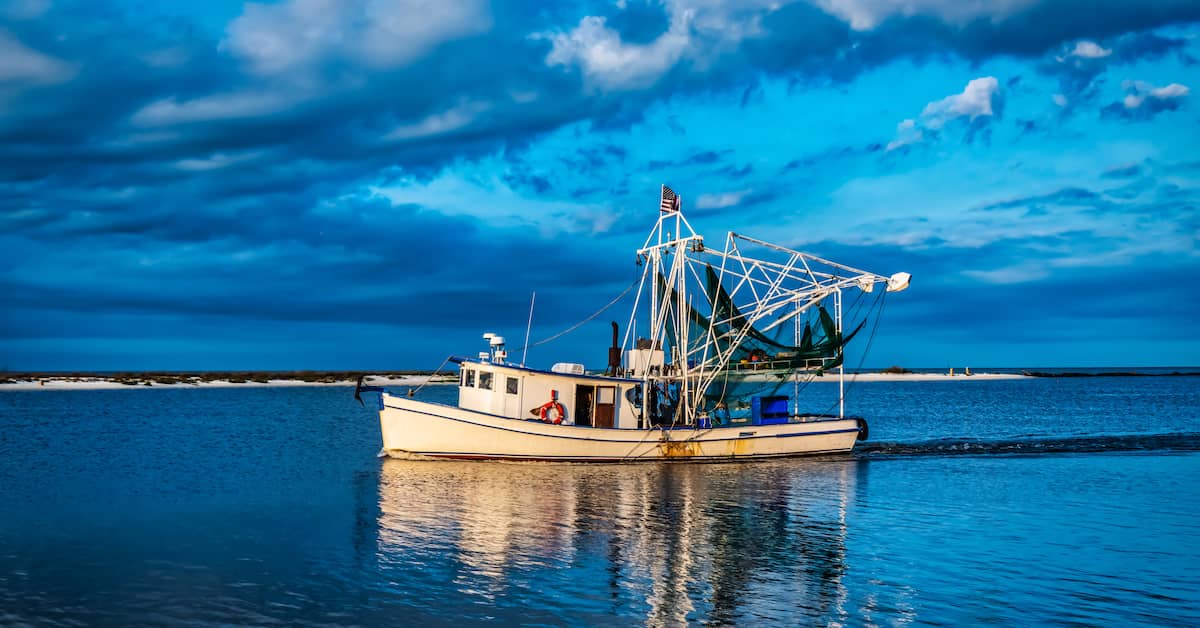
[[110, 383]]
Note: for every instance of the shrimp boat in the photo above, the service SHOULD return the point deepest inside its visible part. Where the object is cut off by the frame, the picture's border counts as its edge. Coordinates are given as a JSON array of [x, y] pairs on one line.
[[714, 337]]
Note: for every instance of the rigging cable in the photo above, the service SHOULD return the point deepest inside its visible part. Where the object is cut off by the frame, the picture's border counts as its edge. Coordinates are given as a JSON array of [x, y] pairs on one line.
[[589, 318], [412, 392], [881, 301]]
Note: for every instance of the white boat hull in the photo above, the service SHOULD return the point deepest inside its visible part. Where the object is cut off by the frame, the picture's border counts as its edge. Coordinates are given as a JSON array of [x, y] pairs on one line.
[[416, 428]]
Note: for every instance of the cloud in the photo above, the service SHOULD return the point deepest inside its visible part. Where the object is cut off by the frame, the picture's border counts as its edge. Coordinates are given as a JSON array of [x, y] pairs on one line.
[[1088, 50], [704, 157], [214, 108], [24, 9], [1020, 274], [1079, 69], [906, 133], [867, 14], [21, 64], [447, 121], [216, 161], [1122, 172], [1144, 101], [978, 103], [611, 64], [148, 167], [717, 201], [296, 35], [976, 100]]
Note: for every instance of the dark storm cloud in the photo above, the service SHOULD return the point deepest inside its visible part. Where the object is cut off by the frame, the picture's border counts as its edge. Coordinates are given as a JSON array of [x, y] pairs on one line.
[[1066, 196], [146, 169], [705, 157], [1122, 172]]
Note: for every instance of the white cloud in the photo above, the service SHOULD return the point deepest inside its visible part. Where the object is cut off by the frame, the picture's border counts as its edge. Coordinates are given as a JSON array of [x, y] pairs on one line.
[[1089, 50], [1010, 275], [21, 64], [867, 14], [906, 133], [283, 37], [974, 101], [216, 161], [491, 199], [230, 106], [1141, 91], [452, 119], [717, 201], [698, 30], [611, 64], [1174, 90]]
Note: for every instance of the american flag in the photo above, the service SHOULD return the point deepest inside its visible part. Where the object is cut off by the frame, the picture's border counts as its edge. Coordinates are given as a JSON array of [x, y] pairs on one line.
[[670, 200]]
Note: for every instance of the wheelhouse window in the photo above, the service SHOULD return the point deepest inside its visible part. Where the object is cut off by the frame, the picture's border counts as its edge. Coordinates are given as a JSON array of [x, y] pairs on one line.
[[511, 385], [469, 378], [485, 380], [634, 395]]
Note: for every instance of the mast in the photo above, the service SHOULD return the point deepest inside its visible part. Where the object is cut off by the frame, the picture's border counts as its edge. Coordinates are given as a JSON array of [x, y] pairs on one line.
[[681, 328], [837, 303], [796, 372]]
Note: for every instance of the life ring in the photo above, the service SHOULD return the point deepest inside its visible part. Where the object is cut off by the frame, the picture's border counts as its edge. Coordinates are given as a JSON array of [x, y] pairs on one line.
[[544, 412]]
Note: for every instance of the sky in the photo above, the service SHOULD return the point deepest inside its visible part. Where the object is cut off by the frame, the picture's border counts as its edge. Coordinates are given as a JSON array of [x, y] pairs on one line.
[[373, 184]]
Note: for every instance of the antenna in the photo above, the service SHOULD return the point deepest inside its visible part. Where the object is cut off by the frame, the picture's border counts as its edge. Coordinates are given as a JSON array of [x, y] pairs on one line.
[[528, 326]]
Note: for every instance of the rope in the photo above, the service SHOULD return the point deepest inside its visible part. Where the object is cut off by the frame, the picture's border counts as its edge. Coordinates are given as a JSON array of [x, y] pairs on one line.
[[431, 376], [589, 318]]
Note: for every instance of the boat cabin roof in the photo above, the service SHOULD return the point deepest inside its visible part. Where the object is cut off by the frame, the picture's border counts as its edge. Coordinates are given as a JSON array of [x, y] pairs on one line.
[[514, 367]]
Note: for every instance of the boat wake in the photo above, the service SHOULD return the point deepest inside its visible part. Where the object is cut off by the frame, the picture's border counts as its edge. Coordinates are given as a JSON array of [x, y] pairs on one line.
[[1033, 446]]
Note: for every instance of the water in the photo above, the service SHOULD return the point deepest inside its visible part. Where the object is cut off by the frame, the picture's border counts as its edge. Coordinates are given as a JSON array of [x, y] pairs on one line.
[[1010, 502]]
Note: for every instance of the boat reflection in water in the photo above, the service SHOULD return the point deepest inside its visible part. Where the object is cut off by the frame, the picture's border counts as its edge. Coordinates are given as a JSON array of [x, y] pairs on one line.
[[661, 544]]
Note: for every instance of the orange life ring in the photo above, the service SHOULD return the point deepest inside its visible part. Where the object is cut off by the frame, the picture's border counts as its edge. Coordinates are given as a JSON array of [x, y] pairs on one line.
[[544, 412]]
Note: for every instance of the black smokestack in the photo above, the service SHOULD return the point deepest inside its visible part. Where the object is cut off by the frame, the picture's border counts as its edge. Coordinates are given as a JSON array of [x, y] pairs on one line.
[[614, 354]]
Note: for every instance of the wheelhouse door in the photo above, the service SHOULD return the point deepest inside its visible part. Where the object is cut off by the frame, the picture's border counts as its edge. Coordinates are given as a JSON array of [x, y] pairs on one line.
[[584, 397], [606, 398], [512, 398]]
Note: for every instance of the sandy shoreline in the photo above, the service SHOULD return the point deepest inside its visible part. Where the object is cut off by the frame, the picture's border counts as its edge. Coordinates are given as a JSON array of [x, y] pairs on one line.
[[924, 377], [108, 383]]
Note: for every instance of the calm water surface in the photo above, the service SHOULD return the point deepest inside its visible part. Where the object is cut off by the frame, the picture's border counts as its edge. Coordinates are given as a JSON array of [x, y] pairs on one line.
[[1006, 502]]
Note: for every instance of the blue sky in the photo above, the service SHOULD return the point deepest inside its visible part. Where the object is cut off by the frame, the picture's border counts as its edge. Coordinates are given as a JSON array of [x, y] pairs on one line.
[[371, 184]]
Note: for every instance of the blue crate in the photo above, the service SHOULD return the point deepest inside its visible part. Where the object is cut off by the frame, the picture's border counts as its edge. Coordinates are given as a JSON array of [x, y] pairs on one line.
[[769, 410]]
